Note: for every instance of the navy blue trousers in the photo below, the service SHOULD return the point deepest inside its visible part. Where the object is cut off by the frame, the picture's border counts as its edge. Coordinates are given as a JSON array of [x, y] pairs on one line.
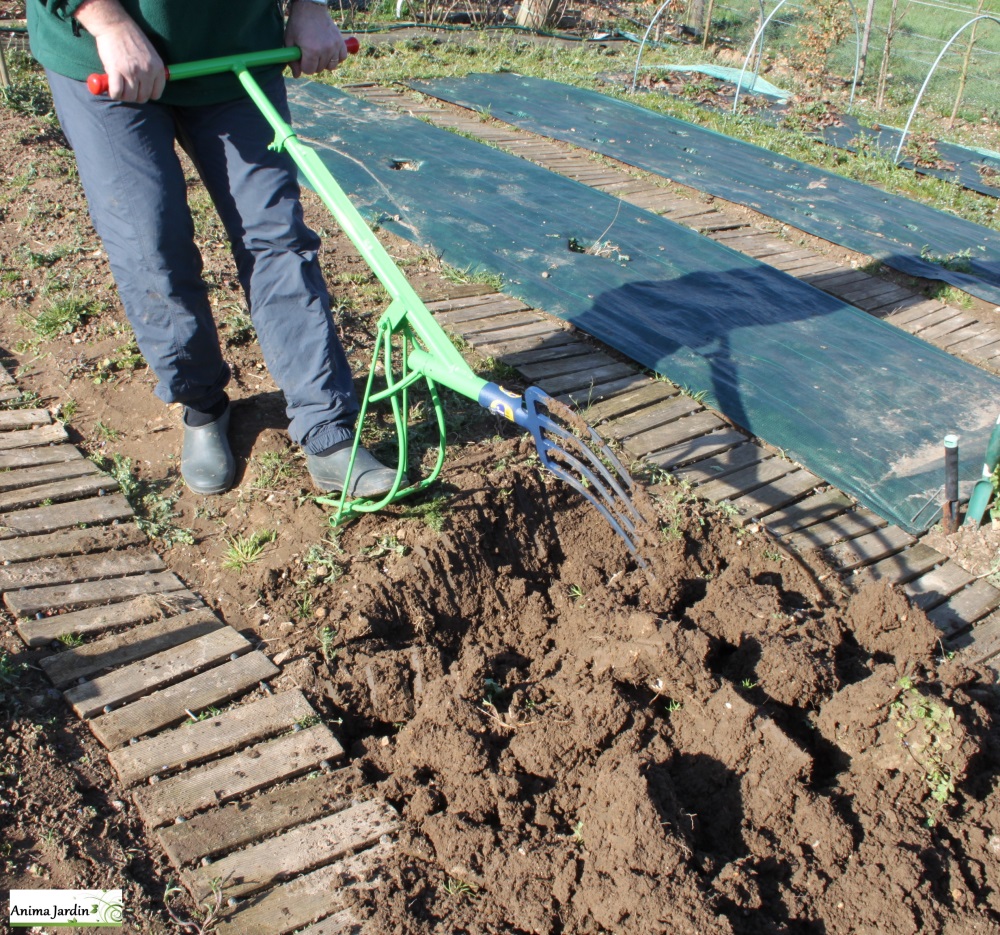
[[137, 196]]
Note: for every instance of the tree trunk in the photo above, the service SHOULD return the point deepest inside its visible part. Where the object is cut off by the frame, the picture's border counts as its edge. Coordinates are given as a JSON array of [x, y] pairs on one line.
[[536, 14], [866, 37]]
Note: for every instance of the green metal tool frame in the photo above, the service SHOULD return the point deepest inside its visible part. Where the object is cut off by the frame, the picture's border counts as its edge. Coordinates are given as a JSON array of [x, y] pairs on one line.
[[566, 445]]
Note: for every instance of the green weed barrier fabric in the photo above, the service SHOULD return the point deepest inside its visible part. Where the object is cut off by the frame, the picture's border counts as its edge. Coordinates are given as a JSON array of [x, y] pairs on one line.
[[903, 234], [859, 402]]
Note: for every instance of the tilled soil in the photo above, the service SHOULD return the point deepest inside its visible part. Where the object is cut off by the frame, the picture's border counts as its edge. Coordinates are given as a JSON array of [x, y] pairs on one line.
[[730, 740]]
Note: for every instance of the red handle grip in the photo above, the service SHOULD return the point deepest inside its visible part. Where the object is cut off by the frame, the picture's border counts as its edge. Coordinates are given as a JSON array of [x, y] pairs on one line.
[[98, 84]]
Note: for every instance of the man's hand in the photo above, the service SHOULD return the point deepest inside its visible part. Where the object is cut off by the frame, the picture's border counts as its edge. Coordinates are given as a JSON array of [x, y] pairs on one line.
[[310, 28], [136, 72]]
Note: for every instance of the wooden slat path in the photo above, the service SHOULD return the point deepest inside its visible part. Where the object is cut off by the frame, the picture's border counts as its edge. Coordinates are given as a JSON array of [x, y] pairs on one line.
[[143, 654]]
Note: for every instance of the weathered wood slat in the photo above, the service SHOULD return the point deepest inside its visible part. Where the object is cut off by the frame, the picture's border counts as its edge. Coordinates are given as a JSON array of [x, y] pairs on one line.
[[98, 619], [907, 565], [947, 327], [965, 607], [560, 366], [161, 669], [472, 301], [230, 826], [980, 643], [869, 548], [838, 528], [61, 571], [344, 922], [917, 325], [668, 410], [775, 495], [29, 438], [35, 457], [46, 474], [528, 342], [667, 436], [12, 419], [90, 484], [648, 393], [586, 398], [63, 515], [503, 335], [170, 706], [137, 643], [71, 541], [242, 773], [807, 512], [580, 381], [934, 588], [472, 313], [696, 449], [969, 345], [504, 322], [194, 743], [744, 481], [972, 330], [296, 851], [310, 897], [38, 600], [540, 355], [726, 462], [914, 310]]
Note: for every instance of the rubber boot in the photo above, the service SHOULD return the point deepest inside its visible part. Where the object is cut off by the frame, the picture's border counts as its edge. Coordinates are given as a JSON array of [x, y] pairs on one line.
[[370, 478], [207, 463]]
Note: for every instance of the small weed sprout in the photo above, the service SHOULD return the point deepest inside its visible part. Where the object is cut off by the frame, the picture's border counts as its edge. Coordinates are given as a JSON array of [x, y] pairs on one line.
[[930, 733], [454, 888], [327, 638], [578, 833], [70, 640], [211, 910], [384, 546], [322, 566], [244, 550], [433, 511], [154, 513], [575, 592]]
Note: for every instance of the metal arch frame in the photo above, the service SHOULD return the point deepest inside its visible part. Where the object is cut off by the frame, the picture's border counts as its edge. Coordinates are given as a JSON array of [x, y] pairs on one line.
[[649, 29], [930, 74], [759, 35]]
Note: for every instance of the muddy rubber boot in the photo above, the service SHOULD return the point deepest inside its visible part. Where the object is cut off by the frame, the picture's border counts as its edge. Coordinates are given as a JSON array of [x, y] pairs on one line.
[[207, 463], [371, 478]]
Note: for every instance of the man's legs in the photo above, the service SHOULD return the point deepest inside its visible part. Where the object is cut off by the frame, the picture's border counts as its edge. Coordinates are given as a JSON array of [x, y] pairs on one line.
[[137, 197], [257, 195]]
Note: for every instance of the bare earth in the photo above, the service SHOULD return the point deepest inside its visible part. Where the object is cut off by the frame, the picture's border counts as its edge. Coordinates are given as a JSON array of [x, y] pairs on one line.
[[734, 744]]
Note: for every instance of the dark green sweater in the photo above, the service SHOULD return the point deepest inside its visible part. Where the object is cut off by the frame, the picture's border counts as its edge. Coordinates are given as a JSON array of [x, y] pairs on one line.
[[181, 31]]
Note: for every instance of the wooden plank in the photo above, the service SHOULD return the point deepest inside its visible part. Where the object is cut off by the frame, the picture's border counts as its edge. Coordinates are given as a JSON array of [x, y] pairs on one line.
[[511, 334], [836, 529], [775, 495], [34, 457], [195, 743], [983, 351], [585, 399], [907, 565], [71, 541], [743, 481], [63, 515], [506, 322], [297, 851], [696, 449], [38, 600], [913, 311], [868, 549], [503, 305], [344, 922], [29, 438], [97, 619], [934, 588], [310, 897], [170, 706], [649, 393], [239, 774], [983, 339], [942, 330], [12, 419], [85, 661], [562, 365], [529, 342], [238, 823], [581, 381], [965, 607], [94, 482], [917, 325], [980, 643], [538, 355], [807, 512], [157, 671], [650, 418], [972, 330], [48, 473], [472, 301], [723, 463], [667, 436], [59, 571]]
